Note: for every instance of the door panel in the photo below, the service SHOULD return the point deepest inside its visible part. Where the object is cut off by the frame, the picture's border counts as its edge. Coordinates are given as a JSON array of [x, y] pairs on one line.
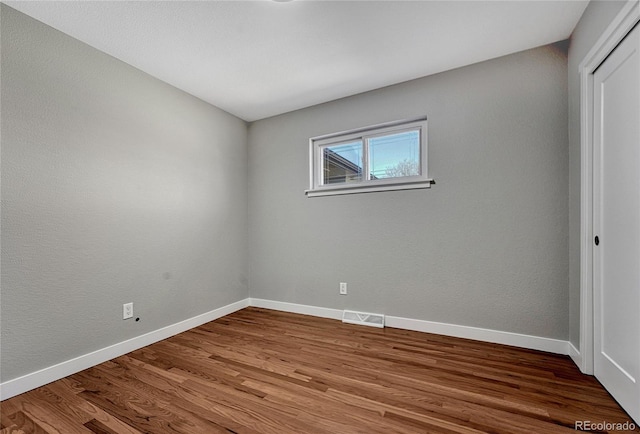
[[617, 224]]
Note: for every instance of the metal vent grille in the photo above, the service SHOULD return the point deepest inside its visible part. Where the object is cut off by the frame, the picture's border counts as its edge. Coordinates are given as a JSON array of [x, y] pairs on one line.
[[363, 318]]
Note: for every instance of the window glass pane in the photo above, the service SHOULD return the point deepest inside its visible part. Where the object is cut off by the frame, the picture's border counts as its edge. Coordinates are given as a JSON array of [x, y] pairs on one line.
[[395, 155], [342, 163]]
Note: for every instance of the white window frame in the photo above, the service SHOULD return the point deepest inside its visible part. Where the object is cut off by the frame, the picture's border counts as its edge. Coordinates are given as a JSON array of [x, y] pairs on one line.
[[367, 185]]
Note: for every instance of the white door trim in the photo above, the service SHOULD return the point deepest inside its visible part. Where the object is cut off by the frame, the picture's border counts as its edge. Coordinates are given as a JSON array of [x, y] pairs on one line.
[[622, 24]]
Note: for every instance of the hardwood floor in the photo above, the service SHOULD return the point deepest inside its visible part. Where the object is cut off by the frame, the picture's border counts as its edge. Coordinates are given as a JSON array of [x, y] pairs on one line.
[[263, 371]]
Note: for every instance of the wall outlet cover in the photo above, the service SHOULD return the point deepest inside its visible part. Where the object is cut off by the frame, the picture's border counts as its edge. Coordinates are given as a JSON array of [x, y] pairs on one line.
[[127, 310]]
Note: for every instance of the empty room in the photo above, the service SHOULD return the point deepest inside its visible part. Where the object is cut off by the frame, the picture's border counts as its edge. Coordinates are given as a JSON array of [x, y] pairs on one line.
[[317, 216]]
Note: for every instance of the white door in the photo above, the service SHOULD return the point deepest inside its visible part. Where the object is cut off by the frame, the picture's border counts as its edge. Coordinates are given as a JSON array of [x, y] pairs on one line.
[[616, 223]]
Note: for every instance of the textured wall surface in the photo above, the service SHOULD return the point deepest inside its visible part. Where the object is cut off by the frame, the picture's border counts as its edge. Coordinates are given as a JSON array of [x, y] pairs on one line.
[[487, 246], [594, 21], [115, 188]]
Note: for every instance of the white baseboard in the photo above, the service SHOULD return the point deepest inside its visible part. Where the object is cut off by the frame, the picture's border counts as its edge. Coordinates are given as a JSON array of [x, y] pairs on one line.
[[575, 355], [322, 312], [44, 376], [555, 346]]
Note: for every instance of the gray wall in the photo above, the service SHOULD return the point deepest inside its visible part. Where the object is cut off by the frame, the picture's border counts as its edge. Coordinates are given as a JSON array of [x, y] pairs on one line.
[[115, 188], [594, 21], [487, 246]]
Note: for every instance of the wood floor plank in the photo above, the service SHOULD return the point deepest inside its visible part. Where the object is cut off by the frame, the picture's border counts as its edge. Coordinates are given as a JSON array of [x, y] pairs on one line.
[[23, 424], [263, 371]]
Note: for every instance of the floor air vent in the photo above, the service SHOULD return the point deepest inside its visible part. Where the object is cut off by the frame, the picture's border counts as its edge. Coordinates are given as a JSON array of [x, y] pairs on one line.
[[362, 318]]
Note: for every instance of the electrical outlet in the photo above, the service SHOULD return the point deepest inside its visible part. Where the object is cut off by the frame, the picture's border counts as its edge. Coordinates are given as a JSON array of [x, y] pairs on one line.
[[127, 310], [343, 288]]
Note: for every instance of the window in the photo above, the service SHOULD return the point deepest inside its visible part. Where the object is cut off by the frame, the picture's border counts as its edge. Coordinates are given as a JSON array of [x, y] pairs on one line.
[[391, 156]]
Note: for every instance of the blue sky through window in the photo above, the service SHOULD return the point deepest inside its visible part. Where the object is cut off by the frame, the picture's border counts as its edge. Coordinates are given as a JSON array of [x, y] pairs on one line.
[[349, 151], [386, 152], [391, 155]]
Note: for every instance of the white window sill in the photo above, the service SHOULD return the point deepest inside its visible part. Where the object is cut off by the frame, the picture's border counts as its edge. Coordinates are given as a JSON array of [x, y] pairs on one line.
[[334, 190]]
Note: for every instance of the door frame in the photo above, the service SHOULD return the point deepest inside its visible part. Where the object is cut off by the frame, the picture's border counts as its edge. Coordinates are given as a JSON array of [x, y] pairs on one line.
[[621, 25]]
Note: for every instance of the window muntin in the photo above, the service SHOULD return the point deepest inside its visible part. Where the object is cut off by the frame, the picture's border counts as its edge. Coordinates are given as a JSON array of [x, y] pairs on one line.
[[390, 156]]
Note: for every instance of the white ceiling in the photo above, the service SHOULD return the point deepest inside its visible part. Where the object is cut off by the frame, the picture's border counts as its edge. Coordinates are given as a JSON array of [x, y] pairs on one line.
[[257, 59]]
